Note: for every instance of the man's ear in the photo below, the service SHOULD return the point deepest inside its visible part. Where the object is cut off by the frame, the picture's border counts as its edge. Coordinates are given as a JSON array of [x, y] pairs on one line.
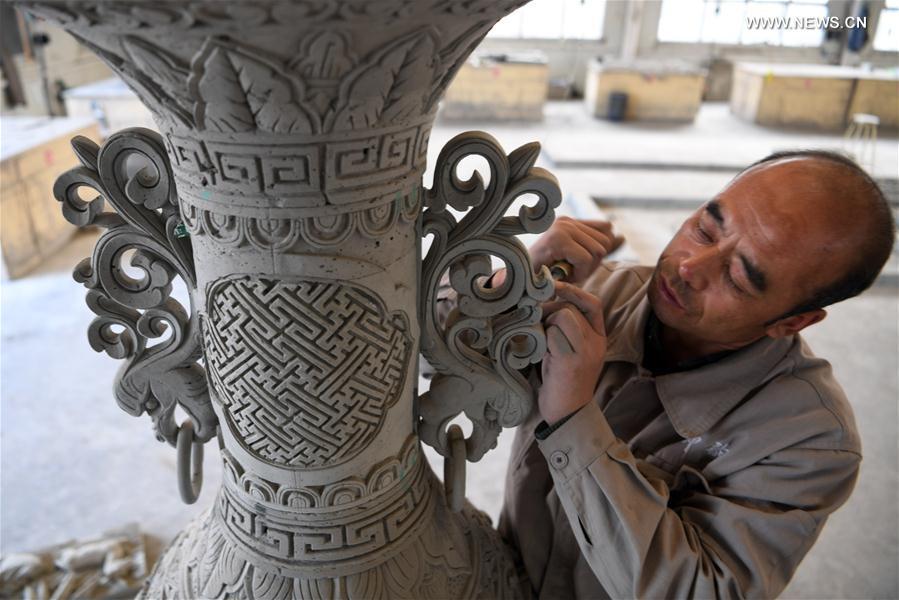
[[796, 323]]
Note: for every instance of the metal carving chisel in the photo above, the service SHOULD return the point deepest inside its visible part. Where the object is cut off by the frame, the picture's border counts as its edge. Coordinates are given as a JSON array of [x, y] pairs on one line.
[[560, 271]]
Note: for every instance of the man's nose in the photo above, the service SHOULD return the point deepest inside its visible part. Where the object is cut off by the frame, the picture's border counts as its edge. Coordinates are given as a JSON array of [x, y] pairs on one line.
[[695, 270]]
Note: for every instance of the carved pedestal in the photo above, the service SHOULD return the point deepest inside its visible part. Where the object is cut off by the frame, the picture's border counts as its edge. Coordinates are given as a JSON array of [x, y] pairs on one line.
[[285, 192]]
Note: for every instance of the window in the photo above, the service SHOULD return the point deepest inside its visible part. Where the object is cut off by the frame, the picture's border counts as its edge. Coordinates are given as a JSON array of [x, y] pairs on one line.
[[740, 21], [887, 36], [554, 19]]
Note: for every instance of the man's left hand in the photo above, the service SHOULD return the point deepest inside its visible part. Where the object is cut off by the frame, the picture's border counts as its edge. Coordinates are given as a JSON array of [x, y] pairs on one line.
[[576, 351]]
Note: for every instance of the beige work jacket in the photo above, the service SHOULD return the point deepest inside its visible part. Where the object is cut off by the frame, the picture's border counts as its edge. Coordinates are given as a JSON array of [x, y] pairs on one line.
[[706, 483]]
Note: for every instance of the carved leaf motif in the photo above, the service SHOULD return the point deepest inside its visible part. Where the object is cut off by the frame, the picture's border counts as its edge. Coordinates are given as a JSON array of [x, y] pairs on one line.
[[448, 548], [118, 15], [231, 14], [367, 584], [209, 555], [522, 159], [453, 56], [241, 92], [271, 99], [156, 15], [103, 339], [313, 589], [228, 571], [163, 105], [86, 150], [390, 86], [161, 67], [229, 111], [410, 89], [268, 585], [402, 573], [325, 57], [56, 14], [66, 189]]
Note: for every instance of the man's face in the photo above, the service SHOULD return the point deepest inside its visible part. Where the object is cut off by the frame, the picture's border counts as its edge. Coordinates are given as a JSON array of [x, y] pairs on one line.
[[765, 244]]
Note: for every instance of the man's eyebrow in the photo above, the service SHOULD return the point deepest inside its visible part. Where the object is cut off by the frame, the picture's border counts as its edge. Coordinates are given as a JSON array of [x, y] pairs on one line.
[[756, 277], [714, 209]]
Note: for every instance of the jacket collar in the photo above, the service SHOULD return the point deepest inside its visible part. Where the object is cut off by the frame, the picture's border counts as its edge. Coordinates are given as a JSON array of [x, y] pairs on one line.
[[625, 325], [697, 399]]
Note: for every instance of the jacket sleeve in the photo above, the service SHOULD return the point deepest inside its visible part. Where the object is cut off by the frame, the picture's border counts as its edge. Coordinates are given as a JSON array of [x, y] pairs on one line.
[[738, 536]]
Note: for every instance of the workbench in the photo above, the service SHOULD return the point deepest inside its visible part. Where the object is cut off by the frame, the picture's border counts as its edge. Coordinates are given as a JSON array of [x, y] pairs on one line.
[[656, 90], [499, 87], [34, 151], [820, 97]]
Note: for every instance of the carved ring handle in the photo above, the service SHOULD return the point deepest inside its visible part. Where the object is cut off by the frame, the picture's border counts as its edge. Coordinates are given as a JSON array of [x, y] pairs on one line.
[[454, 469], [189, 456]]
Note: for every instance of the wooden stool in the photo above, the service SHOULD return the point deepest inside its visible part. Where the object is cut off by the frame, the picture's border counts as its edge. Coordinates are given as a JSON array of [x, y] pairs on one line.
[[860, 139]]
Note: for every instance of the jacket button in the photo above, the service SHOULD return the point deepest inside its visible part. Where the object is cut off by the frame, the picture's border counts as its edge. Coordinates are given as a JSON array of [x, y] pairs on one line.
[[559, 459]]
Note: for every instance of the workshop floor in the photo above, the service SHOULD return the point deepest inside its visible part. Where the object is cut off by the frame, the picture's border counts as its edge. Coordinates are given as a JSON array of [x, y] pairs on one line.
[[73, 465]]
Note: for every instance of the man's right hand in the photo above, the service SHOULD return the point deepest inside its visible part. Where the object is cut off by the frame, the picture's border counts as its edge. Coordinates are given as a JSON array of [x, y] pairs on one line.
[[583, 243]]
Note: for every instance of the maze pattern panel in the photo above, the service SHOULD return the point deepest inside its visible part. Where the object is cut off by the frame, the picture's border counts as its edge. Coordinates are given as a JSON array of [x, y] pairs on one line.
[[304, 369]]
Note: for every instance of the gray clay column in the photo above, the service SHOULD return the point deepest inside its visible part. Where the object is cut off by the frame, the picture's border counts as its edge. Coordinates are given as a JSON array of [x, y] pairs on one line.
[[285, 191]]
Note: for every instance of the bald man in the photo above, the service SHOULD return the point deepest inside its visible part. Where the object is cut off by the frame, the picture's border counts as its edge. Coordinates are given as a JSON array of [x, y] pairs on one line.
[[688, 443]]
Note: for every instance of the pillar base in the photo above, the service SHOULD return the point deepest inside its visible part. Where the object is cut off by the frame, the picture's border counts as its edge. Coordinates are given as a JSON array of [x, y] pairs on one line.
[[456, 555]]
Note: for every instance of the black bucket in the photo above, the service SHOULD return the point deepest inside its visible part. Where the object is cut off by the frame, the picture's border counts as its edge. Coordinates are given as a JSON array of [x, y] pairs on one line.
[[617, 106]]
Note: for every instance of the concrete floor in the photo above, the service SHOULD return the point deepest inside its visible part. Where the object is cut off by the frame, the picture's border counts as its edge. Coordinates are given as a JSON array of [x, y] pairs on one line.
[[74, 465]]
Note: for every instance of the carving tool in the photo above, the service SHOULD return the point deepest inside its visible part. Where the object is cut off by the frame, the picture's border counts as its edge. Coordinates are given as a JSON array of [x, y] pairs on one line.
[[561, 270]]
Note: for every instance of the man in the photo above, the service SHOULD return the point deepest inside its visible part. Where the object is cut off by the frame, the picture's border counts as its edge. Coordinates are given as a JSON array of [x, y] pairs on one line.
[[687, 442]]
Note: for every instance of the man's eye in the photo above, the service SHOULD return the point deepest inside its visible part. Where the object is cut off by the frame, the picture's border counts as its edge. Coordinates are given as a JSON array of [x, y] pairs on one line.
[[701, 233], [732, 283]]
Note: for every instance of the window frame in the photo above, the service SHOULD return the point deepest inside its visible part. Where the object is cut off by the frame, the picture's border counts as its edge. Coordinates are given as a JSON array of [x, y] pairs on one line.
[[888, 7], [740, 42], [520, 35]]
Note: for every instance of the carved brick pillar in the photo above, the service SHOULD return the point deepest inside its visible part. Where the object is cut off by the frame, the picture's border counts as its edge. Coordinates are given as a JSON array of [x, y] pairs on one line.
[[285, 191]]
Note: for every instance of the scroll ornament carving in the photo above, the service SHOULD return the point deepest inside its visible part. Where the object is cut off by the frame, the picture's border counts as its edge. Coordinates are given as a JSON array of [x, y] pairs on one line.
[[492, 334], [138, 320]]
